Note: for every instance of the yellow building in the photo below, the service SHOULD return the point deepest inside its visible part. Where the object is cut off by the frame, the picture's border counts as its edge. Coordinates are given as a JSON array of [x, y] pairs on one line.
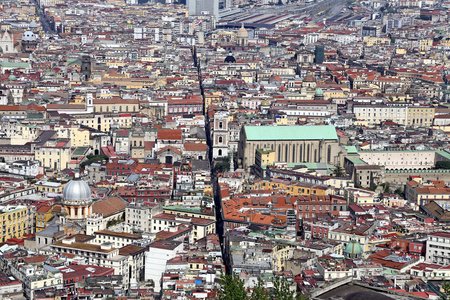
[[13, 219], [212, 97], [280, 254], [426, 44], [264, 157], [43, 215], [420, 115], [292, 188], [331, 93], [376, 41], [49, 187], [445, 42], [116, 105], [56, 157], [25, 133], [78, 137], [103, 122]]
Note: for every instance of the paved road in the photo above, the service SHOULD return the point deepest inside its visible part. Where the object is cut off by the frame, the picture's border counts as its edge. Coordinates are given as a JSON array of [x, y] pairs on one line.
[[43, 19]]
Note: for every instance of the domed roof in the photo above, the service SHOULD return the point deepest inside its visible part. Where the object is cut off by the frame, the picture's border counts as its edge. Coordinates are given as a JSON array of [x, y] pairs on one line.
[[242, 32], [28, 36], [230, 59], [12, 77], [353, 248], [33, 24], [319, 92], [77, 192]]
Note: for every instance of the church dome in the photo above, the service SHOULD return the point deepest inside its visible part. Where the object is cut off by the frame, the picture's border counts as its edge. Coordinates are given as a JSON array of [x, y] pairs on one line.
[[28, 36], [12, 77], [33, 24], [353, 249], [319, 92], [77, 192], [230, 59], [242, 32]]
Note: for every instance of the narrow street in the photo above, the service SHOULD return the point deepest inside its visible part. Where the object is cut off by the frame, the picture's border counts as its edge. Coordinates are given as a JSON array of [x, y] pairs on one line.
[[42, 18], [214, 180]]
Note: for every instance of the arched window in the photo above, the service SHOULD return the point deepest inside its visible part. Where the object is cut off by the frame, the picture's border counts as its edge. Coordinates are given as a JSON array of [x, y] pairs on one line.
[[220, 125], [329, 154], [307, 154], [301, 153], [286, 153], [279, 152], [219, 152], [220, 139], [293, 153]]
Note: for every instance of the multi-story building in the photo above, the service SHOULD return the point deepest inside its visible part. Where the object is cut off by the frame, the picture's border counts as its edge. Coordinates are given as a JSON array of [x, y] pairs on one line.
[[43, 215], [117, 239], [15, 221], [438, 248], [104, 255], [139, 215]]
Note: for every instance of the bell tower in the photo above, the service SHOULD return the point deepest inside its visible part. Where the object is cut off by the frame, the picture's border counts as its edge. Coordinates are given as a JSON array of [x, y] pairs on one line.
[[220, 134], [86, 66]]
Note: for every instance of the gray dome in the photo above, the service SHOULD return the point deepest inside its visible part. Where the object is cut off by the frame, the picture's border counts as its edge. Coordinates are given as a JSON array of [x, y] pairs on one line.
[[33, 24], [28, 36], [77, 192]]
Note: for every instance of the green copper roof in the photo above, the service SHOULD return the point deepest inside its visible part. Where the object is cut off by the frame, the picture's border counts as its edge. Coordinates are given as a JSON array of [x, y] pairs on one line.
[[353, 248], [287, 133], [319, 92], [7, 64], [351, 149]]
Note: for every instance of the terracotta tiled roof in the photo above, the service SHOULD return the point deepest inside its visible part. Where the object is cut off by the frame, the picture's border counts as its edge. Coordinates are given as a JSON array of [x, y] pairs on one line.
[[195, 147], [169, 134], [109, 206]]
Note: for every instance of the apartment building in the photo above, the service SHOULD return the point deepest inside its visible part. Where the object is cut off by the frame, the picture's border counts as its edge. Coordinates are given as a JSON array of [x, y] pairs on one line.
[[438, 248], [15, 221]]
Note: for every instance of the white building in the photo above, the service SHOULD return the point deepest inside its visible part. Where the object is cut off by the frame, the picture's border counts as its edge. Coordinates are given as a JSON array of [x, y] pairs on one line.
[[138, 216], [104, 255], [438, 248], [156, 257]]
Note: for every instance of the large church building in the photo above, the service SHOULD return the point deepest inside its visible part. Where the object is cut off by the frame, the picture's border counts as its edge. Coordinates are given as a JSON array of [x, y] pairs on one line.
[[292, 144]]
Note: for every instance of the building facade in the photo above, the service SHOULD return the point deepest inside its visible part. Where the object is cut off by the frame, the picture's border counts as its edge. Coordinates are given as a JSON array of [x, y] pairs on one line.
[[292, 144]]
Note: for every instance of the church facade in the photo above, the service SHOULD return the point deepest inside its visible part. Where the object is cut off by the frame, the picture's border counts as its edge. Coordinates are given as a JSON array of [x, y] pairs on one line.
[[7, 42], [292, 144]]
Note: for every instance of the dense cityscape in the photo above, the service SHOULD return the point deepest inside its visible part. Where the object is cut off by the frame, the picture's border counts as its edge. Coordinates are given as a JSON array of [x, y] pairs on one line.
[[224, 149]]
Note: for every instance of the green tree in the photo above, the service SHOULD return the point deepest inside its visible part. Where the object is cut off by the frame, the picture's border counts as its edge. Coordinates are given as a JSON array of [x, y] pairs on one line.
[[386, 187], [442, 165], [259, 292], [338, 171], [281, 289], [231, 288], [446, 288]]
